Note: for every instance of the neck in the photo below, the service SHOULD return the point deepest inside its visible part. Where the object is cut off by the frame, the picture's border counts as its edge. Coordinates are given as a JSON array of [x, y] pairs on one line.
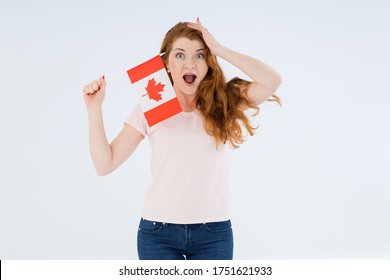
[[187, 102]]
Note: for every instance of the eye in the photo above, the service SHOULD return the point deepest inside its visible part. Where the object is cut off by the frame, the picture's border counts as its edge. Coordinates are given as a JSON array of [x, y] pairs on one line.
[[179, 55], [199, 56]]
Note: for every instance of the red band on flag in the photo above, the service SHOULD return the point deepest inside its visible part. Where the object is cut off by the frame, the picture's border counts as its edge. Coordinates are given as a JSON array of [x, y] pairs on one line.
[[145, 69], [162, 112]]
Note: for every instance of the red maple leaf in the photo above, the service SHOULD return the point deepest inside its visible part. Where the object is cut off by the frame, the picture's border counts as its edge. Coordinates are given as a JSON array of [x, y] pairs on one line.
[[153, 90]]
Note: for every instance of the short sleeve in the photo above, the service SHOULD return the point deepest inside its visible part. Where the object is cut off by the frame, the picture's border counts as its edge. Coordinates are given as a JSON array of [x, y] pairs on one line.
[[137, 120]]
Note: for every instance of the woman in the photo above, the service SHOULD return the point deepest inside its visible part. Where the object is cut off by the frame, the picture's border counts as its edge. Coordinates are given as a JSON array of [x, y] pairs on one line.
[[185, 213]]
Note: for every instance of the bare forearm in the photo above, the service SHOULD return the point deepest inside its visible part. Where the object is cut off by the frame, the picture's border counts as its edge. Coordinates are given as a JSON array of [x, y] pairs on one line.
[[258, 71], [265, 79], [99, 147]]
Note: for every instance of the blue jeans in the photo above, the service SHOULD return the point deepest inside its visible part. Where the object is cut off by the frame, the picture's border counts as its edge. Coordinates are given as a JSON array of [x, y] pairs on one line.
[[164, 241]]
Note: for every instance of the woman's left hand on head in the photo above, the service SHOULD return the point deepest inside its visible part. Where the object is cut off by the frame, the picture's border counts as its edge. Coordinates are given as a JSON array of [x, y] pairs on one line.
[[211, 42]]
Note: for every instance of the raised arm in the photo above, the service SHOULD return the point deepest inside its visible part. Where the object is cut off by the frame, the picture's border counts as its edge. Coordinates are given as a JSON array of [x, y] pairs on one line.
[[265, 79], [106, 157]]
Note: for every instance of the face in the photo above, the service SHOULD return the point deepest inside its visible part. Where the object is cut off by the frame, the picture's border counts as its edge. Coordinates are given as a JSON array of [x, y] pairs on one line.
[[187, 64]]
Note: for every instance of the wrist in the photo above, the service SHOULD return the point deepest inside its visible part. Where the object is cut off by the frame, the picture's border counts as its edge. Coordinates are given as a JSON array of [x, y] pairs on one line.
[[94, 108], [219, 51]]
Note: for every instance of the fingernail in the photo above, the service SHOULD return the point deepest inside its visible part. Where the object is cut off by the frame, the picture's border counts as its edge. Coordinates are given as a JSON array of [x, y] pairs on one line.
[[103, 77]]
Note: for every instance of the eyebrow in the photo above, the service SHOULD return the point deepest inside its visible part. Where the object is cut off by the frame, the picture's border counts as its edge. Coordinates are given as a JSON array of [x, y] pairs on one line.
[[185, 50]]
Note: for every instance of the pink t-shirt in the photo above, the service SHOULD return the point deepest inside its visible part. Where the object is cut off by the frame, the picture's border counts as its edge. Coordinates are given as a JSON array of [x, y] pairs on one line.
[[190, 177]]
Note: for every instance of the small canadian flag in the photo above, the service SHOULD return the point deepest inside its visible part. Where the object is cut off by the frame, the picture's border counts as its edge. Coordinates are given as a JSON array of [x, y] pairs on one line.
[[159, 101]]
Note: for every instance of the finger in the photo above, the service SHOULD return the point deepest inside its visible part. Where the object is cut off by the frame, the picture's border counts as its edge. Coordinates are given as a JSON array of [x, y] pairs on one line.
[[193, 25], [85, 89], [199, 23], [102, 82], [95, 85], [90, 88], [87, 92], [200, 26]]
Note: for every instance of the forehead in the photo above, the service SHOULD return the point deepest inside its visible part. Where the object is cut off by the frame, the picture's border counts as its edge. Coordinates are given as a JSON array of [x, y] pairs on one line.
[[187, 44]]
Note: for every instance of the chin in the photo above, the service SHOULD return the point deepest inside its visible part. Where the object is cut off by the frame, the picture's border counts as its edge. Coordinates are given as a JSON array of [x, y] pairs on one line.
[[186, 91]]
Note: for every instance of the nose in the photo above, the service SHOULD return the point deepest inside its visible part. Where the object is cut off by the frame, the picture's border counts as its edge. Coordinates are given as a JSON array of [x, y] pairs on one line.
[[189, 64]]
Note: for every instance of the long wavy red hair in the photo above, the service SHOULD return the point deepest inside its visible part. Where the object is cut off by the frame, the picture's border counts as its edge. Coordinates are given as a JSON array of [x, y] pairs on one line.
[[221, 103]]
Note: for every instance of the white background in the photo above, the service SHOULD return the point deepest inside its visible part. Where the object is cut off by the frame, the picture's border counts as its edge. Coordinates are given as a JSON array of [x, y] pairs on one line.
[[313, 183]]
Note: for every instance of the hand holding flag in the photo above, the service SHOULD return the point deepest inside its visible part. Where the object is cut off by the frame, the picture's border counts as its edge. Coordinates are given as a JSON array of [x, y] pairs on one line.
[[158, 98], [94, 92]]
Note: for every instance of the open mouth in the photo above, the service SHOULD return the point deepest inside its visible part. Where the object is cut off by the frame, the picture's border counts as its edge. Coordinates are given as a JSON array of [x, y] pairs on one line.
[[189, 79]]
